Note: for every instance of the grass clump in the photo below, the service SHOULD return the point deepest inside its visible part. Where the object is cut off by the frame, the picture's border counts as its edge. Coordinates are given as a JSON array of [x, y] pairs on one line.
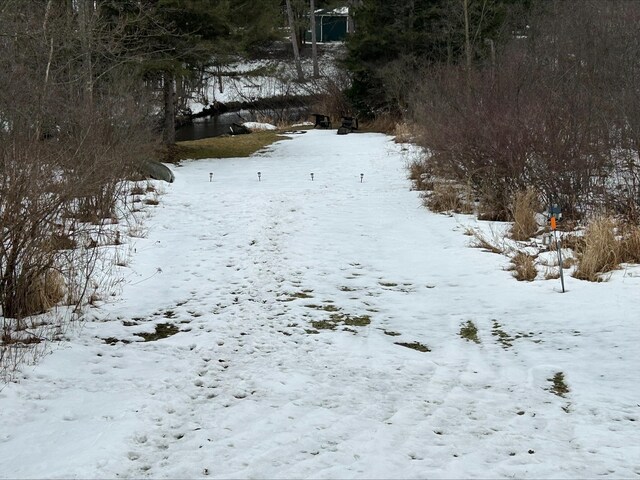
[[523, 211], [469, 332], [503, 337], [448, 197], [163, 330], [558, 385], [224, 147], [481, 241], [630, 244], [600, 252], [414, 346], [523, 267]]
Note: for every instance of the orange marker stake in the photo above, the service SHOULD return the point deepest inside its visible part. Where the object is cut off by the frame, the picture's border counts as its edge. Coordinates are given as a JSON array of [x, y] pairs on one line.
[[553, 223]]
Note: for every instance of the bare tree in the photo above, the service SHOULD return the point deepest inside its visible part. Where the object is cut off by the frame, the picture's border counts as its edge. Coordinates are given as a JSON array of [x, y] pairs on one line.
[[314, 45], [294, 41]]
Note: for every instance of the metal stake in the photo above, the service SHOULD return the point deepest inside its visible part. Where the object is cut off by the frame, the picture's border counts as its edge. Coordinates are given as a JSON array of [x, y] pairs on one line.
[[559, 249]]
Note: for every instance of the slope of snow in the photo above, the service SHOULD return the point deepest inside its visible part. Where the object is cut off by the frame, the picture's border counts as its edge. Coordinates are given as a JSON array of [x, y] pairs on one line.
[[250, 270]]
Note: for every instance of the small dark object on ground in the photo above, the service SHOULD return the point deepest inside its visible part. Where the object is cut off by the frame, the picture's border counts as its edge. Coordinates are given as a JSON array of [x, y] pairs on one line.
[[322, 121], [237, 129], [349, 124]]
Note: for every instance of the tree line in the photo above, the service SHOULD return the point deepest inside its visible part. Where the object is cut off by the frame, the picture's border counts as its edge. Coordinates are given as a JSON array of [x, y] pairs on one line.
[[509, 95]]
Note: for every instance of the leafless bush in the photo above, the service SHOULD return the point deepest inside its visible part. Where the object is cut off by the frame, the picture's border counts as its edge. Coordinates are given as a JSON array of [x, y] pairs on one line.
[[557, 112], [71, 131]]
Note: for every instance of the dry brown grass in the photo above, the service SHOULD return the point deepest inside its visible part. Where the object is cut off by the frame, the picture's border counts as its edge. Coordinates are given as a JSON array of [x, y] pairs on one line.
[[420, 174], [380, 124], [600, 252], [630, 244], [403, 133], [449, 197], [42, 293], [525, 206], [523, 267], [481, 241]]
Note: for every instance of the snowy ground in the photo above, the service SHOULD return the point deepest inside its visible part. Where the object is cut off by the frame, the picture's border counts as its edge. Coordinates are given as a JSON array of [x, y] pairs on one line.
[[249, 270]]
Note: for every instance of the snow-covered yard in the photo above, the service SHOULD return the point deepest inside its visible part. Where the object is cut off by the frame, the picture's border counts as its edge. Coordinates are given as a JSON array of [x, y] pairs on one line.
[[292, 298]]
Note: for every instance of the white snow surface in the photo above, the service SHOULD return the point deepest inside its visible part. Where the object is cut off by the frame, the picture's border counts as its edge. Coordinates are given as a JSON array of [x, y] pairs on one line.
[[259, 126], [244, 391]]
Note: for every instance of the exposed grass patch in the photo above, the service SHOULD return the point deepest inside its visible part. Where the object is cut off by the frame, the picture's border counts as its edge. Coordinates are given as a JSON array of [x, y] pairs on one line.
[[324, 324], [469, 332], [225, 147], [391, 333], [328, 307], [503, 337], [355, 321], [558, 385], [414, 346], [295, 295], [523, 267], [163, 330]]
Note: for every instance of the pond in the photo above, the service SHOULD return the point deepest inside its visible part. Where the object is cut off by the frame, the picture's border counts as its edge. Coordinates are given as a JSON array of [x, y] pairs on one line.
[[216, 125]]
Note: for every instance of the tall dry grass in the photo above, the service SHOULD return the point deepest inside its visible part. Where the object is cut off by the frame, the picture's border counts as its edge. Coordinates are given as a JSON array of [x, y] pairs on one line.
[[523, 267], [524, 209], [600, 252]]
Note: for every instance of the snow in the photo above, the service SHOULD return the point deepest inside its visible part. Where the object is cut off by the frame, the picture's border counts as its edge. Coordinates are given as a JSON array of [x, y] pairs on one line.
[[244, 391], [259, 126]]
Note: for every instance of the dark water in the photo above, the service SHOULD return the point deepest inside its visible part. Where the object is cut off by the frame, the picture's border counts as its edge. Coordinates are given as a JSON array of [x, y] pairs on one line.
[[216, 125], [212, 126]]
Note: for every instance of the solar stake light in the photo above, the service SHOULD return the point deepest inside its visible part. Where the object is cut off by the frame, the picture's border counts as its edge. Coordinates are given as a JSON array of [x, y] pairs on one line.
[[554, 214], [312, 177], [210, 176], [259, 176], [361, 177]]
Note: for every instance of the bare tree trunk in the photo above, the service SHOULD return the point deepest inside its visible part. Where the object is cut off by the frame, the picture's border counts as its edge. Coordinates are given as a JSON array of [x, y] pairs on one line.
[[314, 46], [294, 42], [85, 17], [351, 24], [467, 42], [169, 130], [467, 39]]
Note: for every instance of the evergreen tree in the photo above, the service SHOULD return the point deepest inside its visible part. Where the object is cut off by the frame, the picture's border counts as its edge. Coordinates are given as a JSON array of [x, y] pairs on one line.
[[395, 39]]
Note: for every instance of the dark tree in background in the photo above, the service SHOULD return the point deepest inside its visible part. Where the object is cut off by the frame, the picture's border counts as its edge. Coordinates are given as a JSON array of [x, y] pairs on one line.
[[394, 41]]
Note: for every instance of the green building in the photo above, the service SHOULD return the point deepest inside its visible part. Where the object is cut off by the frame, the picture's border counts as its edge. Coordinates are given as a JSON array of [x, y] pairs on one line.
[[331, 25]]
